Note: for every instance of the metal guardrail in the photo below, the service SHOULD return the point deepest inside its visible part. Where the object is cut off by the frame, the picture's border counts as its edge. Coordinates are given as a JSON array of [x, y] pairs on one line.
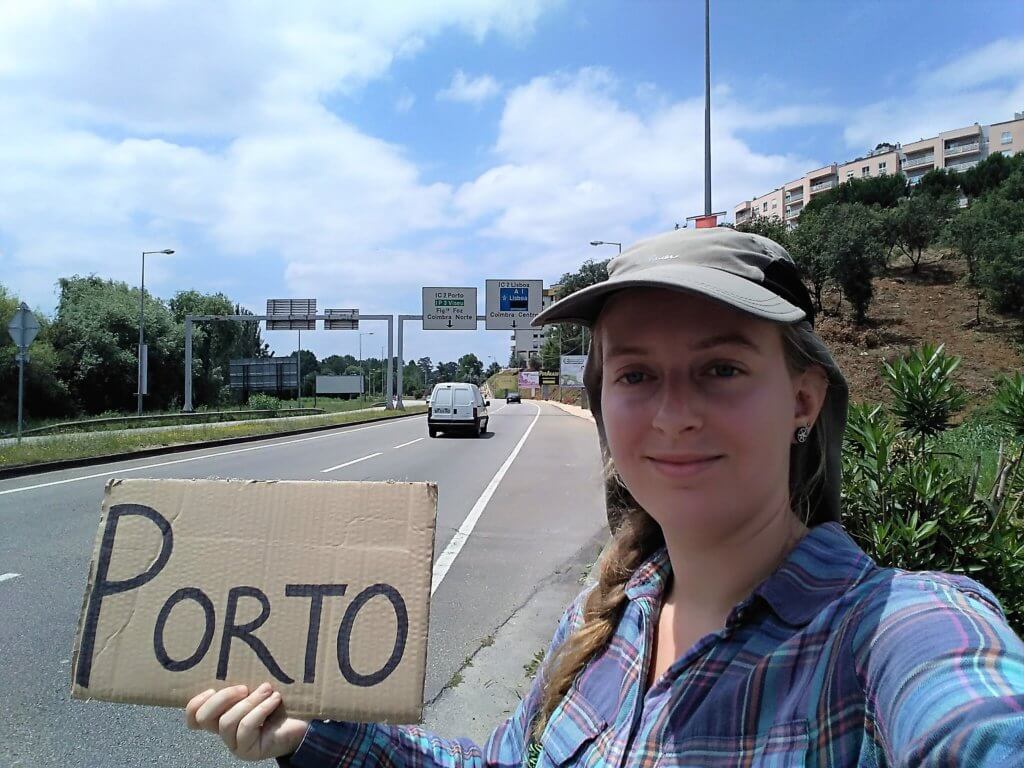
[[960, 149], [198, 417], [913, 162]]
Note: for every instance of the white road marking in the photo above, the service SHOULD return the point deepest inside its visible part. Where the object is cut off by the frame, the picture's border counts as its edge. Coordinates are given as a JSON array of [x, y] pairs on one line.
[[444, 562], [8, 576], [350, 463], [110, 473], [409, 443]]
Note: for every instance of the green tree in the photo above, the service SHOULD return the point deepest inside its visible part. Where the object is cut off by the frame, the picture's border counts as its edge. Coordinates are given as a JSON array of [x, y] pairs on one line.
[[470, 369], [989, 174], [1001, 272], [938, 182], [917, 222], [772, 227], [884, 191], [95, 334], [46, 395], [212, 342], [492, 370], [426, 366], [966, 231], [568, 338], [855, 246], [806, 246]]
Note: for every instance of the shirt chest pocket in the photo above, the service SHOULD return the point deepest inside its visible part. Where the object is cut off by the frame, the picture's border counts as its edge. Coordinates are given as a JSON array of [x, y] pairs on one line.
[[782, 746], [571, 732]]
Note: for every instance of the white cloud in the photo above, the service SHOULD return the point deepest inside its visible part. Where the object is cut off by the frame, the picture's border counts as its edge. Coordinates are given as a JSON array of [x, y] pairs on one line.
[[985, 85], [405, 101], [576, 164], [123, 125], [470, 90]]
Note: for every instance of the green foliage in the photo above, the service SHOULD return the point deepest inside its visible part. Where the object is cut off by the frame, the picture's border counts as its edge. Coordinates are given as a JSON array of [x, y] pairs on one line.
[[920, 498], [989, 174], [1001, 272], [843, 243], [261, 401], [917, 222], [772, 227], [882, 191], [938, 182], [1009, 402], [806, 246], [470, 369], [96, 332], [925, 394]]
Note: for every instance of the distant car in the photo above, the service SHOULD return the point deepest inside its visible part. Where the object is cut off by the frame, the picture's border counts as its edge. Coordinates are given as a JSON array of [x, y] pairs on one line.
[[512, 397], [456, 405]]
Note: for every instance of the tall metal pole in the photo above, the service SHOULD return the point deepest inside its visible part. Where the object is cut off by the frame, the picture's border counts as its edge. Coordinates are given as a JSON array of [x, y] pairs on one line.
[[298, 361], [142, 298], [21, 387], [707, 108], [188, 364]]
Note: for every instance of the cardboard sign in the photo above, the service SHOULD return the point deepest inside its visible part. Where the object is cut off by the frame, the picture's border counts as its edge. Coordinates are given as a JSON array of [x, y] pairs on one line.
[[320, 588]]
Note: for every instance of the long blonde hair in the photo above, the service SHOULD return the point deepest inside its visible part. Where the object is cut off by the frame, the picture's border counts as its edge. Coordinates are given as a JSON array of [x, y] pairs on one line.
[[636, 536]]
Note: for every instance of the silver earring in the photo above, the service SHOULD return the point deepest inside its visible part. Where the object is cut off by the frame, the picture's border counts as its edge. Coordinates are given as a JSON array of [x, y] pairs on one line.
[[802, 434]]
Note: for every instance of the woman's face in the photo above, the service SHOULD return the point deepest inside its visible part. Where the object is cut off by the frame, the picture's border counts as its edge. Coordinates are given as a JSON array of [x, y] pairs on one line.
[[699, 409]]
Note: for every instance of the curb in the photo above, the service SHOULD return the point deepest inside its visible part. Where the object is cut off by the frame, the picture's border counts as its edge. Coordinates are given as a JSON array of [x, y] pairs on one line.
[[574, 410], [22, 470]]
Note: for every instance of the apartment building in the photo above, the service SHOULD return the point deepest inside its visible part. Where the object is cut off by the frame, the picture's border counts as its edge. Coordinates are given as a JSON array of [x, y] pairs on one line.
[[955, 150], [528, 341]]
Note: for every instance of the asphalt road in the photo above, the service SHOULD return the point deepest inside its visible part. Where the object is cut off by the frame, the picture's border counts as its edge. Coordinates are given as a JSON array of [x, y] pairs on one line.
[[546, 507]]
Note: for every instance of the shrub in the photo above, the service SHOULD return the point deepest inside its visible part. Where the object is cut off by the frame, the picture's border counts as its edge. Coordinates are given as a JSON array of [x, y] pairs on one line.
[[920, 496], [1009, 403], [263, 402]]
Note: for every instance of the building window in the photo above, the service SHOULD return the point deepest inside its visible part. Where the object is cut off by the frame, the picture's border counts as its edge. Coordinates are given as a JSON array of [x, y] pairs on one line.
[[764, 206], [1007, 152], [849, 174], [1007, 138], [865, 171], [775, 205], [881, 166]]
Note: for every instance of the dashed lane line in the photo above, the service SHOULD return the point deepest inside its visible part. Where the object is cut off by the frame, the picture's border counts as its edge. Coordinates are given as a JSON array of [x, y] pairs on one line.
[[354, 461]]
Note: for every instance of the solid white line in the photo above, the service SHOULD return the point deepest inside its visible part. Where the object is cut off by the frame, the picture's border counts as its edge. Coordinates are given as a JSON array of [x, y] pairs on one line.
[[7, 576], [350, 463], [444, 562], [204, 456], [409, 443]]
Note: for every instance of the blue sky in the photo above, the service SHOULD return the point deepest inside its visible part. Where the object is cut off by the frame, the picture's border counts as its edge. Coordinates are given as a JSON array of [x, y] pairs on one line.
[[354, 152]]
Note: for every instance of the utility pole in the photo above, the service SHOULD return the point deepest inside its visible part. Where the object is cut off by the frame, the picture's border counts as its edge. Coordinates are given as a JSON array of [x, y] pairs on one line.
[[707, 107]]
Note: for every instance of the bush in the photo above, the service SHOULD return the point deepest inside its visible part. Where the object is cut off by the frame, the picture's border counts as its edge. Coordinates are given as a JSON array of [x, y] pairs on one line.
[[920, 496], [1010, 403], [263, 402]]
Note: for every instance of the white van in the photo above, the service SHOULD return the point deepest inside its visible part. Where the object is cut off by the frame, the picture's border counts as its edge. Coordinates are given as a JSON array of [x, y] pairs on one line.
[[457, 405]]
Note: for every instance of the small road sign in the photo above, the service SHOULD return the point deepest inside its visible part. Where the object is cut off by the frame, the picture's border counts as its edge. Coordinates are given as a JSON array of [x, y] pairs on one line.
[[449, 309], [341, 320], [292, 307], [23, 326], [512, 304]]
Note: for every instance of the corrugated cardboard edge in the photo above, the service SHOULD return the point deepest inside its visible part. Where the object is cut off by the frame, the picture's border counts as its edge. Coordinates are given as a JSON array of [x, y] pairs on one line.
[[77, 693]]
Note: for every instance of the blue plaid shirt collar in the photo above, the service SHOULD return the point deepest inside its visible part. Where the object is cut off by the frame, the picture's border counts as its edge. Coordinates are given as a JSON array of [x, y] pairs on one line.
[[825, 564]]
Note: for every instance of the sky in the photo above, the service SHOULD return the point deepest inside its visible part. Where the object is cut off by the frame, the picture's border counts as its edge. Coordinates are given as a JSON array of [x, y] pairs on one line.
[[354, 152]]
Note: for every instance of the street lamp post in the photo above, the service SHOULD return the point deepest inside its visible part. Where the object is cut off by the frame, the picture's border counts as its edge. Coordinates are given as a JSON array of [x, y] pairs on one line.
[[606, 242], [361, 368], [142, 299], [596, 243]]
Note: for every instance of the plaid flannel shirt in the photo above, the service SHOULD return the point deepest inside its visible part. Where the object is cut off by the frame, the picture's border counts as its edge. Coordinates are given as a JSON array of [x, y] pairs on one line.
[[831, 661]]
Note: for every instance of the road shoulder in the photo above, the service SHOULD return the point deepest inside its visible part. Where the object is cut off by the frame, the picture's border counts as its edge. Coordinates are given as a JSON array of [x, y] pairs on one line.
[[491, 682]]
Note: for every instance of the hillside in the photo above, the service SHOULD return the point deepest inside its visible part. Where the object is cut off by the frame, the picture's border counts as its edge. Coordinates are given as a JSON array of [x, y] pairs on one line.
[[908, 310]]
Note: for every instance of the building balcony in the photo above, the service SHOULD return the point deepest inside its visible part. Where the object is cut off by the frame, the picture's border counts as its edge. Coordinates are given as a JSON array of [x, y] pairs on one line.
[[798, 195], [962, 149], [913, 162], [793, 213], [821, 186], [960, 167]]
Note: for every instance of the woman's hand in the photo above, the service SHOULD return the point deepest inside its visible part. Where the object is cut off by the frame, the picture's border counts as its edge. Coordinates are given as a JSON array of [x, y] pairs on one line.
[[253, 725]]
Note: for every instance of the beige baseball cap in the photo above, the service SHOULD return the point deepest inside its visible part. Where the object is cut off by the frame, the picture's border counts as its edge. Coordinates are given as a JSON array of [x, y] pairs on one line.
[[747, 271]]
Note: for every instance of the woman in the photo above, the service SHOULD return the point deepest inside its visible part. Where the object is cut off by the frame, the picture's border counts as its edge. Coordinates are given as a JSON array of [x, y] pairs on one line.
[[734, 622]]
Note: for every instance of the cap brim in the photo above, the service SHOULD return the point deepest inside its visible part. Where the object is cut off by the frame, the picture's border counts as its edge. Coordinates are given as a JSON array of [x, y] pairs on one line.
[[584, 306]]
